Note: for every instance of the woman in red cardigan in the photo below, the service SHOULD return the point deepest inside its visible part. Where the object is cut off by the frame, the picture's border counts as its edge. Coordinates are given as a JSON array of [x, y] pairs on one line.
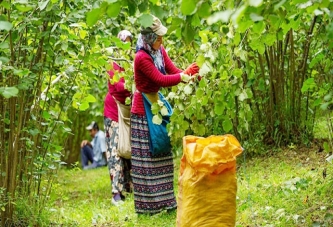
[[152, 174], [119, 167]]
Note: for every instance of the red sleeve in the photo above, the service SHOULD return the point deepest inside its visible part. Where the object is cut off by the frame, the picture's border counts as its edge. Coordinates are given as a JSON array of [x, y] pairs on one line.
[[170, 68], [120, 85], [145, 65]]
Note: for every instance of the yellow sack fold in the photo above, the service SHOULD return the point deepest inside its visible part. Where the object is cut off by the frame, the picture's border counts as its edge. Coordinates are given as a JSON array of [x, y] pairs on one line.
[[207, 182]]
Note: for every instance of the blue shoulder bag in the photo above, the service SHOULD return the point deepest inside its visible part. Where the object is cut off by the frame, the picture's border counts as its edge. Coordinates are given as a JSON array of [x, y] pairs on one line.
[[159, 140]]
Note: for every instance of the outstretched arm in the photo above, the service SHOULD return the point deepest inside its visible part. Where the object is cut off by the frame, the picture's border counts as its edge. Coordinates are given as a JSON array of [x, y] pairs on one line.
[[170, 68], [144, 63]]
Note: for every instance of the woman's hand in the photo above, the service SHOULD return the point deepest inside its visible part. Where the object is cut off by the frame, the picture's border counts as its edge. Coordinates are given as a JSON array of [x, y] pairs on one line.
[[192, 69]]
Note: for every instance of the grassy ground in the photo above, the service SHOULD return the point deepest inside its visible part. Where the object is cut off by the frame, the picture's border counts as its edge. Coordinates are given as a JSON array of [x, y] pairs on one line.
[[287, 189]]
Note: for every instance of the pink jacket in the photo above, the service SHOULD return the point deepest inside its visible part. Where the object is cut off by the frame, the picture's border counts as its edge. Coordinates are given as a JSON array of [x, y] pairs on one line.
[[149, 79], [116, 90]]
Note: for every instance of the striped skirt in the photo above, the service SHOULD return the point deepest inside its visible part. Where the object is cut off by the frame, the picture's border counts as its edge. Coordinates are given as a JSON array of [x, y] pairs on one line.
[[152, 175]]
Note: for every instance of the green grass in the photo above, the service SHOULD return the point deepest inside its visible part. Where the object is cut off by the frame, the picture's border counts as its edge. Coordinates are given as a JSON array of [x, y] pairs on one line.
[[287, 189]]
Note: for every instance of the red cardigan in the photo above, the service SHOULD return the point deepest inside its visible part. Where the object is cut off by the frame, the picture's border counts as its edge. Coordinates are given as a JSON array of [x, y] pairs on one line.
[[116, 90], [149, 79]]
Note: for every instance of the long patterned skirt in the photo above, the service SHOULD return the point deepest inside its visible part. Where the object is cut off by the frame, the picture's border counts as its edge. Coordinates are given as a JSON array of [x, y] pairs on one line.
[[152, 175], [119, 167]]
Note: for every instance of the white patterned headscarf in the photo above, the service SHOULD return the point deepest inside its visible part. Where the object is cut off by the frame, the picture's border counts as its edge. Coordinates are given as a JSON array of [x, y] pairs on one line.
[[145, 42], [124, 34]]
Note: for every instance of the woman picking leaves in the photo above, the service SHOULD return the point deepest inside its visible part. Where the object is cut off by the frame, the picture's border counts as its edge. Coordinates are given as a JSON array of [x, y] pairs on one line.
[[152, 174]]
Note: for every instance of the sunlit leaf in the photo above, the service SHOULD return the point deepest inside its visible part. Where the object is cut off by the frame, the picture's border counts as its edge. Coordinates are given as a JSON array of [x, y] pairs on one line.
[[34, 132], [223, 16], [256, 17], [84, 106], [93, 16], [308, 85], [157, 119], [5, 25], [227, 125], [23, 8], [146, 20], [42, 5], [114, 9], [219, 108], [188, 89], [188, 6], [46, 115], [164, 111], [90, 98], [9, 92], [255, 3], [155, 108], [204, 10]]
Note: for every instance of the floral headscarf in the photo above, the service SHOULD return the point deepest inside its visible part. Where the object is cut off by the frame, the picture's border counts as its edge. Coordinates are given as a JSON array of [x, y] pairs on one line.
[[145, 42], [122, 35]]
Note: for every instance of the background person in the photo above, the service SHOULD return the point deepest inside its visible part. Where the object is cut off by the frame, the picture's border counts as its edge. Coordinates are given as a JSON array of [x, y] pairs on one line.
[[152, 175], [94, 151], [119, 168]]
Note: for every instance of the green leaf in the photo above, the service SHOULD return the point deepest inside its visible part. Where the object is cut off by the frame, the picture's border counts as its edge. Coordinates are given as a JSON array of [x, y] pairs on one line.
[[23, 8], [204, 10], [67, 129], [114, 9], [4, 45], [328, 97], [237, 72], [5, 5], [164, 111], [324, 106], [155, 108], [223, 16], [42, 5], [308, 85], [200, 60], [93, 16], [8, 92], [227, 125], [5, 25], [195, 22], [158, 11], [132, 7], [255, 3], [219, 108], [269, 39], [34, 132], [143, 6], [256, 17], [201, 130], [188, 34], [46, 115], [259, 27], [3, 209], [188, 7], [90, 98], [188, 89], [200, 92], [157, 119], [84, 106], [146, 20]]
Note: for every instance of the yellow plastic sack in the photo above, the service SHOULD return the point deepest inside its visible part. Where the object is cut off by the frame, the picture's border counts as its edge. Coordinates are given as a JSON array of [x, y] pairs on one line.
[[207, 182]]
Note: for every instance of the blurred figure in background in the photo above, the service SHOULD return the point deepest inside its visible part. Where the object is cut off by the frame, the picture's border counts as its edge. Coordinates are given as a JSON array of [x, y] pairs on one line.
[[94, 151], [119, 167]]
